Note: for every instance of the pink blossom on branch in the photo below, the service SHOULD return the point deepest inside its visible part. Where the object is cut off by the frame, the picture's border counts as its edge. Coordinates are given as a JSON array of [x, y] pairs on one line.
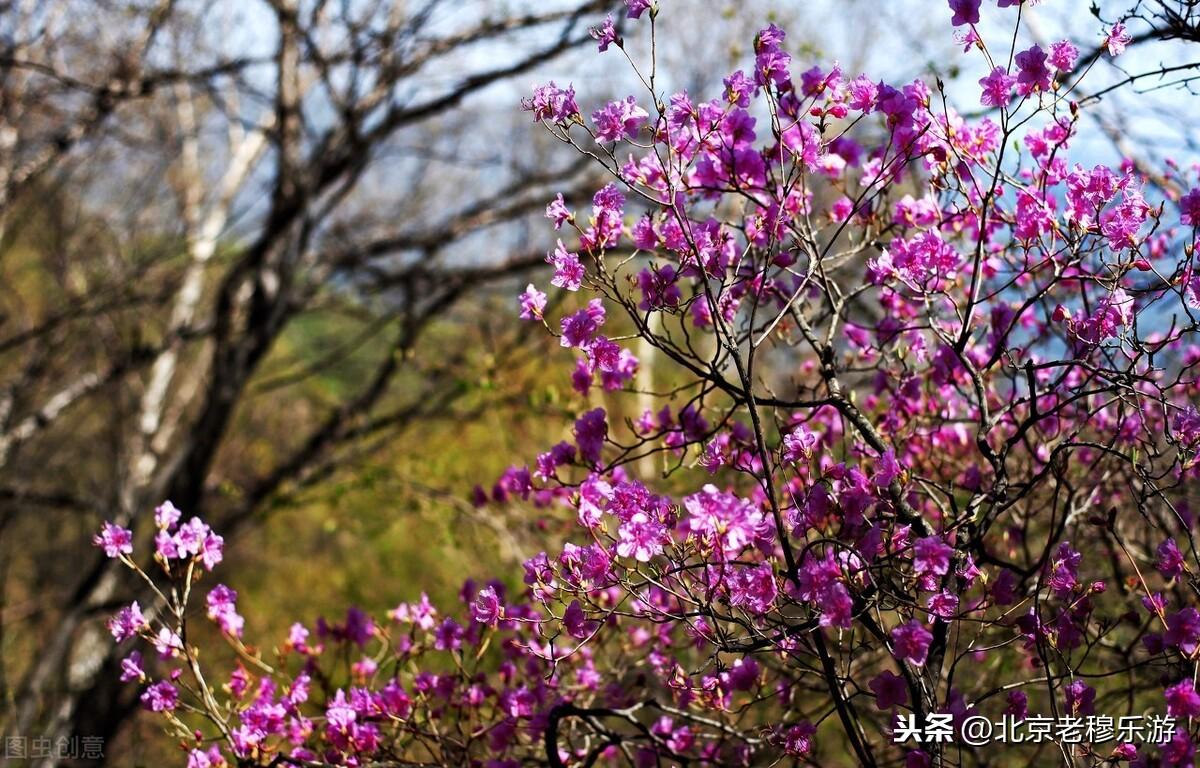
[[918, 436], [997, 88], [1117, 39]]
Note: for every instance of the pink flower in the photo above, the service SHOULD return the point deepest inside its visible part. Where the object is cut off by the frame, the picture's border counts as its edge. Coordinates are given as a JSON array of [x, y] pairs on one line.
[[1180, 751], [739, 88], [1063, 55], [339, 714], [396, 701], [1183, 630], [212, 551], [580, 328], [769, 39], [841, 209], [804, 141], [635, 8], [965, 12], [167, 643], [1117, 39], [1182, 699], [816, 82], [160, 697], [943, 605], [211, 759], [568, 271], [1018, 705], [862, 93], [1170, 559], [887, 469], [222, 609], [1124, 752], [1089, 191], [128, 622], [1064, 570], [997, 88], [448, 636], [605, 34], [754, 588], [533, 303], [164, 545], [771, 66], [1189, 206], [797, 740], [608, 205], [590, 431], [1187, 426], [931, 556], [166, 515], [298, 638], [131, 667], [911, 642], [114, 540], [931, 561], [836, 605], [922, 262], [1112, 313], [486, 608], [799, 444], [890, 690], [619, 119], [549, 102], [423, 614], [576, 623], [724, 521], [583, 376], [558, 212], [548, 462], [641, 537], [1032, 72], [743, 675], [659, 287], [190, 538], [1080, 698], [1121, 224]]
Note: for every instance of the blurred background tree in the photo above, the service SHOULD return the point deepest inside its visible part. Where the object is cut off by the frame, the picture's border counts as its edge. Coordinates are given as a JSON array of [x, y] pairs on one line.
[[260, 258]]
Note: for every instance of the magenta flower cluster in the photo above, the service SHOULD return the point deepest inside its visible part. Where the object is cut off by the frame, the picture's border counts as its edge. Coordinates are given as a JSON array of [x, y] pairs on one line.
[[923, 433]]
